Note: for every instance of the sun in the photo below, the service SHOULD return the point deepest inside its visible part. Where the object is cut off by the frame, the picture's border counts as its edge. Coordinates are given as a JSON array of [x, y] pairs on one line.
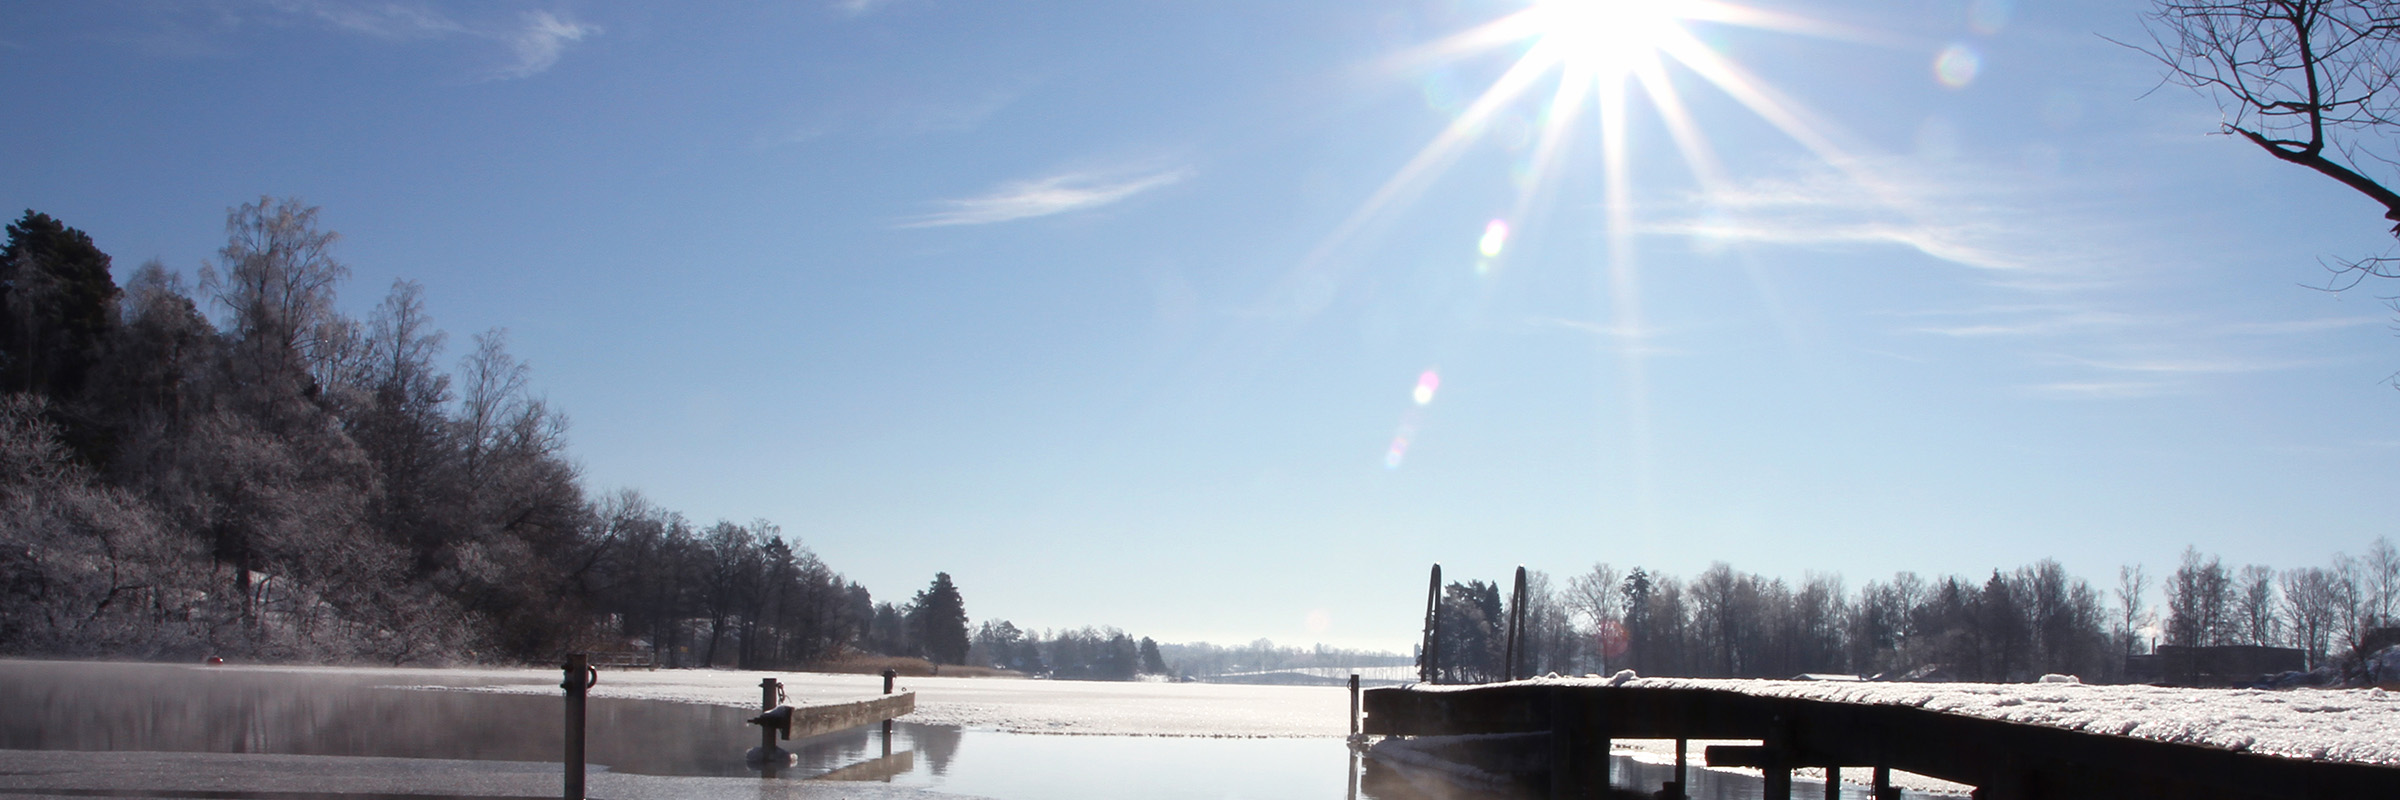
[[1585, 65], [1603, 38]]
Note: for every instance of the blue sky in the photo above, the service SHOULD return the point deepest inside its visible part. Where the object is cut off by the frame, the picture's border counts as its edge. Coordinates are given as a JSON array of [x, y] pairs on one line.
[[1118, 311]]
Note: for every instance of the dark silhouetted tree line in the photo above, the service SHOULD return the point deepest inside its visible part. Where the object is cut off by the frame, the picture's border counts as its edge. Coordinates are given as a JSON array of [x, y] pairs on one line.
[[272, 479]]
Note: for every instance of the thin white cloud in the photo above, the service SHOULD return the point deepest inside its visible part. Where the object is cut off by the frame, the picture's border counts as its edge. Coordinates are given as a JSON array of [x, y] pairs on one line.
[[1994, 220], [1630, 341], [1048, 196], [859, 8], [540, 41], [533, 41], [2105, 390], [2304, 326], [2039, 321], [393, 21], [2186, 365]]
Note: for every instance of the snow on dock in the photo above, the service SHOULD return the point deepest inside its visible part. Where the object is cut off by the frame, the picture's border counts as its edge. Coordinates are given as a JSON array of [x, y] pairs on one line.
[[2359, 726]]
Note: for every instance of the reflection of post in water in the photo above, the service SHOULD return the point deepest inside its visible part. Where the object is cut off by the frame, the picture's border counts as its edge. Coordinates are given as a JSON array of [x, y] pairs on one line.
[[1353, 774]]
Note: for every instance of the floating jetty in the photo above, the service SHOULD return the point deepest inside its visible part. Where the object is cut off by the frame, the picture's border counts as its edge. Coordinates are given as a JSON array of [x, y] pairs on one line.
[[1844, 728]]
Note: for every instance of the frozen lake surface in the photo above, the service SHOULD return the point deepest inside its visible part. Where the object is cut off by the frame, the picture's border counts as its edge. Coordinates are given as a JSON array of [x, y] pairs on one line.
[[981, 737]]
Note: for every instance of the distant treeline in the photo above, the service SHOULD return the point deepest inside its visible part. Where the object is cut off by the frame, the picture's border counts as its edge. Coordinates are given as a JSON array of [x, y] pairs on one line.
[[2014, 625], [1111, 654]]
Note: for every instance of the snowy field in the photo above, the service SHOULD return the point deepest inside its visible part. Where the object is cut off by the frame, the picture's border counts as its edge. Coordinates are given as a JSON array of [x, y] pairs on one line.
[[1001, 704]]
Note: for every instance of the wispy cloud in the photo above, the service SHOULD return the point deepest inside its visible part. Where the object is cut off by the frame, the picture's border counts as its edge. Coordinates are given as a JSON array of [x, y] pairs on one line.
[[2106, 390], [1998, 221], [2305, 326], [392, 21], [2027, 321], [859, 8], [533, 42], [2184, 365], [1626, 339], [1048, 196], [540, 41]]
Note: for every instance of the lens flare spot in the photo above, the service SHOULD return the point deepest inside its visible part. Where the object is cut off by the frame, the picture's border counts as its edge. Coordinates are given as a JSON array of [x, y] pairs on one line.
[[1319, 620], [1495, 236], [1397, 453], [1956, 66], [1427, 384], [1611, 639]]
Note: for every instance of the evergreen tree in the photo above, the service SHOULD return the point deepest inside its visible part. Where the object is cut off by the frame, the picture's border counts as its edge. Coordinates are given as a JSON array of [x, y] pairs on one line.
[[1152, 663], [57, 304], [938, 618]]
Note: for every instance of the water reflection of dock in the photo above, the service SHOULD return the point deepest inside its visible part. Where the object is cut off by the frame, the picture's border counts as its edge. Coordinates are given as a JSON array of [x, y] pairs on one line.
[[2004, 759]]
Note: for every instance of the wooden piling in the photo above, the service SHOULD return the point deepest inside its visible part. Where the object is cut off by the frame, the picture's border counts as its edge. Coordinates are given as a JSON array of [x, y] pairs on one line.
[[578, 680], [1354, 705], [1680, 768], [1777, 768], [768, 691], [1429, 659], [889, 675]]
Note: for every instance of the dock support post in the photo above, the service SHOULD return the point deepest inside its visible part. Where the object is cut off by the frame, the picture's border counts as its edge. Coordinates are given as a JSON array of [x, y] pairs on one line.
[[1354, 707], [889, 675], [1778, 752], [1578, 748], [1429, 658], [1833, 783], [1676, 789], [1514, 652], [579, 679], [768, 689], [1883, 783]]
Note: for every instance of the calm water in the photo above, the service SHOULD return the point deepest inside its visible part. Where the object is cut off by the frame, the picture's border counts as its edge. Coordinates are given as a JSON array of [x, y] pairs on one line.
[[141, 707]]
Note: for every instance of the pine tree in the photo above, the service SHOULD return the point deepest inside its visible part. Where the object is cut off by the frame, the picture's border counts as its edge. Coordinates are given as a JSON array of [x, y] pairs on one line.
[[938, 617]]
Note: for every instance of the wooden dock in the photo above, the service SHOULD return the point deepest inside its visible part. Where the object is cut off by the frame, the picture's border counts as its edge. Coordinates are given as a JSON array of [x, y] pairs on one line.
[[2004, 760]]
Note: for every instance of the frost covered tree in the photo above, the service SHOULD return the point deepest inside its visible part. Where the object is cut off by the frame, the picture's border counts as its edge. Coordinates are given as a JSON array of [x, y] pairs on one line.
[[276, 278]]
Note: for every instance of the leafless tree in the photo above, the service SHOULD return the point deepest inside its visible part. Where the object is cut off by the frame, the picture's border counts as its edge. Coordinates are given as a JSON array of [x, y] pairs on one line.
[[2132, 582], [2379, 582], [2199, 602], [2309, 603], [2254, 606], [2315, 83]]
